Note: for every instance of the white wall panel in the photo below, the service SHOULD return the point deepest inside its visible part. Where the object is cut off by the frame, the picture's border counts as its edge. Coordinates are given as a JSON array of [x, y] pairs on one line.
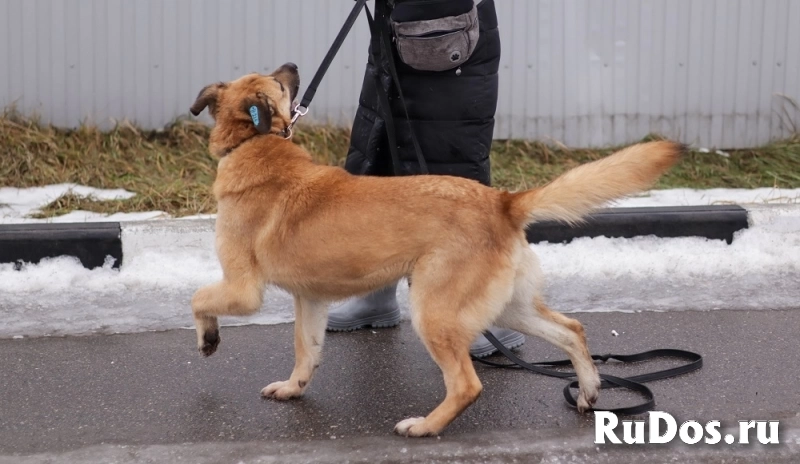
[[716, 73]]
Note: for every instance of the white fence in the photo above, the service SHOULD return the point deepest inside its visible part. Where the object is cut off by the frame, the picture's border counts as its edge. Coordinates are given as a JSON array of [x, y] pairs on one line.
[[720, 73]]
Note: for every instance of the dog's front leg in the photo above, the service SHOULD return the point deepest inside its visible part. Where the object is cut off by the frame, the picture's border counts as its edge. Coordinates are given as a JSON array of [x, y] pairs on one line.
[[240, 297], [309, 335], [205, 322]]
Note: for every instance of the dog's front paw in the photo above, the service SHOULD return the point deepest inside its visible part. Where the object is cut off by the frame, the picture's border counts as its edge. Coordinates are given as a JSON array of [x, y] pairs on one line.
[[284, 390], [413, 427], [209, 342], [588, 394]]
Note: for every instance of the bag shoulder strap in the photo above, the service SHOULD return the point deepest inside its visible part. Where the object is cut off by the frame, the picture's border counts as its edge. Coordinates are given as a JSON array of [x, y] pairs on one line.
[[379, 27]]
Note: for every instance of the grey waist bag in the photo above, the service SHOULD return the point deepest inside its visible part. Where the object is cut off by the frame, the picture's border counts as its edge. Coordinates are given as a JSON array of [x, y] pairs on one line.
[[436, 44]]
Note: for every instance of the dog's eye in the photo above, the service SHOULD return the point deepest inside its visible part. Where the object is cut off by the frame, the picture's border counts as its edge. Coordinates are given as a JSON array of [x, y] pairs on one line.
[[279, 83]]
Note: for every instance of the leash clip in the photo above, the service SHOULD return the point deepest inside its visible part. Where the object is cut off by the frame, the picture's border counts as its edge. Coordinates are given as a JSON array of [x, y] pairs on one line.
[[296, 114]]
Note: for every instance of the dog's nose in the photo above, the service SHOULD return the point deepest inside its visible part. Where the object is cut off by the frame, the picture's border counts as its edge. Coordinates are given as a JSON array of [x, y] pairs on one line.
[[291, 65]]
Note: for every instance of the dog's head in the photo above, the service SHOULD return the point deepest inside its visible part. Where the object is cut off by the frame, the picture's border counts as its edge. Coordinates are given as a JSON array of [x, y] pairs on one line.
[[253, 104]]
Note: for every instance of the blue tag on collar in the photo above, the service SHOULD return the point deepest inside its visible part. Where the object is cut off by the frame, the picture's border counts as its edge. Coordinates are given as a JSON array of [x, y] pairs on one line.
[[254, 115]]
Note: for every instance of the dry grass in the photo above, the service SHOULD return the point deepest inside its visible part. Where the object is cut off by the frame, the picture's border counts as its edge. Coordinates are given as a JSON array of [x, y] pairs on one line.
[[170, 170], [521, 164]]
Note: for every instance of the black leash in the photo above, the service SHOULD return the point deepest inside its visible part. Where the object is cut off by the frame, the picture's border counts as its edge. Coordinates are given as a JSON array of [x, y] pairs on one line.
[[302, 108], [634, 383]]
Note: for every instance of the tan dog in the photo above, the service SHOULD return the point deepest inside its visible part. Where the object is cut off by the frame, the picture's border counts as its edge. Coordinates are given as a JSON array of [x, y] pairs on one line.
[[323, 235]]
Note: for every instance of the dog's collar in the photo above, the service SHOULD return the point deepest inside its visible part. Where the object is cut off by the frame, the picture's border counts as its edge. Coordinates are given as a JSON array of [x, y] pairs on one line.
[[229, 150]]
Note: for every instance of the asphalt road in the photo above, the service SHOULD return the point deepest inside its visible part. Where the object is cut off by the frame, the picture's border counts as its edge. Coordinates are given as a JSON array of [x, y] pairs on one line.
[[150, 397]]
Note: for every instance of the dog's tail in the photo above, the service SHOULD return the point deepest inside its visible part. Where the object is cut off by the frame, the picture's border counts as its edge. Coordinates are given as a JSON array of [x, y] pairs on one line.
[[577, 192]]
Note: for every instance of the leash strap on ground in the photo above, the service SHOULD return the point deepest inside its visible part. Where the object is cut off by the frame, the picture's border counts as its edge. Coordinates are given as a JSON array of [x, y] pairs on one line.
[[326, 62], [634, 383]]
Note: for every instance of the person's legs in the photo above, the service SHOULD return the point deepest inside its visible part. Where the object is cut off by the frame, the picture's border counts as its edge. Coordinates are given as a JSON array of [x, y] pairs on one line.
[[452, 115]]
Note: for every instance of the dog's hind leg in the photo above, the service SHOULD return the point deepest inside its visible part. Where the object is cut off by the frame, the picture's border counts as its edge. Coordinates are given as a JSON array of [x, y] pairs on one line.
[[448, 343], [448, 312], [311, 318], [527, 313], [538, 320], [239, 295]]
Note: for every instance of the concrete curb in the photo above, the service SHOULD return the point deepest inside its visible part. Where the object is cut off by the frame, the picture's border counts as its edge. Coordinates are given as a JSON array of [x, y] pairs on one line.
[[93, 243], [549, 445]]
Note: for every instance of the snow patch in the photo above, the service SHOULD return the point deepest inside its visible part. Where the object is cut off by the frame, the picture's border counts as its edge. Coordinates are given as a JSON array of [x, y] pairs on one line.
[[166, 261], [17, 204], [759, 270]]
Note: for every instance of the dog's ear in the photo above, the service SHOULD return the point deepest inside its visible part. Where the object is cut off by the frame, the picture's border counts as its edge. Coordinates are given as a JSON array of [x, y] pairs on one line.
[[207, 97], [260, 111]]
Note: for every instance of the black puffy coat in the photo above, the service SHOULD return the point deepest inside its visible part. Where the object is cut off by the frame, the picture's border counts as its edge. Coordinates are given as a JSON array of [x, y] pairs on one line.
[[451, 113]]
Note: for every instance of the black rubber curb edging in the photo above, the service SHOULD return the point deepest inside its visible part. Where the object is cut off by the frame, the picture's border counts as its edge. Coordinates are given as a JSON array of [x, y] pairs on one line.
[[93, 242], [714, 222], [90, 242]]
